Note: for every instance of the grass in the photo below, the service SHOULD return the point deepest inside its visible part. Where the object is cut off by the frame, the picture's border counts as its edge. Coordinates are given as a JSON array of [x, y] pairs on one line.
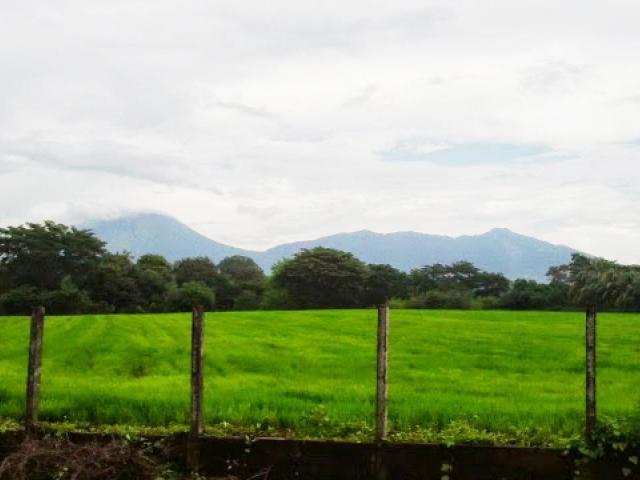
[[501, 377]]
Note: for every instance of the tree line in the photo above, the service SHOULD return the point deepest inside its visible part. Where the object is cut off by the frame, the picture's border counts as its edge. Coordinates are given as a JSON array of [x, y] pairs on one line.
[[69, 270]]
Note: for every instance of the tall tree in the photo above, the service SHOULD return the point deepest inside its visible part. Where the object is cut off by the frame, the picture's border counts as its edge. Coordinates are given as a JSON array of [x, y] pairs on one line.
[[196, 269], [155, 280], [322, 278], [116, 285], [41, 255], [240, 285], [385, 282], [462, 276], [242, 270]]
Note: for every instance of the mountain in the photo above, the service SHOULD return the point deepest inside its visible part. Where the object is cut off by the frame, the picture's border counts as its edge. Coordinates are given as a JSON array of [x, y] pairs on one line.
[[160, 234], [499, 250]]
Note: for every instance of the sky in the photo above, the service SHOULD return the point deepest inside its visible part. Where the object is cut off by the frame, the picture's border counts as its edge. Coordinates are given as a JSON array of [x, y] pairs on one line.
[[259, 122]]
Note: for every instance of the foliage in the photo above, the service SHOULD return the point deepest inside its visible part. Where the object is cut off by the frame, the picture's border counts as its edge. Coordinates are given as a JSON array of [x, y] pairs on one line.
[[246, 300], [240, 284], [19, 300], [384, 282], [461, 276], [67, 299], [322, 278], [155, 280], [197, 269], [443, 299], [191, 294], [528, 295], [275, 297], [42, 255], [67, 270], [243, 271], [604, 283], [115, 284]]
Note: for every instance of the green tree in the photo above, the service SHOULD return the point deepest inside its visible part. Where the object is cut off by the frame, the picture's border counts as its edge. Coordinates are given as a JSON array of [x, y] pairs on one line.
[[528, 295], [196, 269], [490, 285], [67, 299], [595, 281], [461, 276], [20, 300], [191, 294], [243, 271], [385, 282], [155, 281], [322, 278], [116, 284], [41, 255], [240, 284], [453, 299]]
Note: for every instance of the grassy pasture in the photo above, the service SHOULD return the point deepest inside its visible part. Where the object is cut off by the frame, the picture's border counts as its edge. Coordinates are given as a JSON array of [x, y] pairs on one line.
[[515, 374]]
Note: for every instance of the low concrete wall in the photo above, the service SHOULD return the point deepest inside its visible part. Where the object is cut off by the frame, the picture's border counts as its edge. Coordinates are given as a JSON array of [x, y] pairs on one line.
[[280, 459]]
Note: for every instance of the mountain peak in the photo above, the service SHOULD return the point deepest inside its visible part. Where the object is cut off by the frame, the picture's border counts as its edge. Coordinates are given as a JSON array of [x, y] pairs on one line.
[[498, 250], [142, 233], [500, 231]]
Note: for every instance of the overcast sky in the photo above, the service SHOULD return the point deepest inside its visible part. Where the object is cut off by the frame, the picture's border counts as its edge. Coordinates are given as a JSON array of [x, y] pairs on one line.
[[261, 122]]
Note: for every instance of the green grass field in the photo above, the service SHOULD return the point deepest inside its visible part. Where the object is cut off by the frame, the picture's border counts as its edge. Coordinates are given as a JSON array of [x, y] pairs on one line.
[[502, 376]]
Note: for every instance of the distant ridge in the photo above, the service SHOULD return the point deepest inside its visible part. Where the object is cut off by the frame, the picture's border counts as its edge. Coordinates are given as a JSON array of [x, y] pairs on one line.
[[153, 233], [499, 250]]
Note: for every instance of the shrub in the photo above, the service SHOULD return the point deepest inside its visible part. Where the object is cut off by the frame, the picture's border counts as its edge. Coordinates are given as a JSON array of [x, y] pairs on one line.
[[190, 294], [486, 303], [247, 300], [67, 299], [275, 298], [445, 299], [19, 301], [527, 295], [399, 303]]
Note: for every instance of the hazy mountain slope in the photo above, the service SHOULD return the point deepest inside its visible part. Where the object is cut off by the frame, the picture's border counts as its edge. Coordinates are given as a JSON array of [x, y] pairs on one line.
[[152, 233], [499, 250]]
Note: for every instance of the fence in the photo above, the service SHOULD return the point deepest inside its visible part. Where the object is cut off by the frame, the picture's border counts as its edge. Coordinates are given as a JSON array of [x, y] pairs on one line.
[[197, 376]]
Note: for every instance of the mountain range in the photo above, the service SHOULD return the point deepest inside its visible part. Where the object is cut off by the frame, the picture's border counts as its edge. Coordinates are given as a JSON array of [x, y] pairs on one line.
[[498, 250]]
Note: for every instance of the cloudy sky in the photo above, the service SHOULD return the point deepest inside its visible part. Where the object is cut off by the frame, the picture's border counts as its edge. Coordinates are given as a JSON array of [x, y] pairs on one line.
[[262, 122]]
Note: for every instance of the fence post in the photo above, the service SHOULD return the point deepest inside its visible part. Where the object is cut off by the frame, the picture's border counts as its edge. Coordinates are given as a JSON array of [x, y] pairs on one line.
[[197, 386], [382, 390], [34, 368], [590, 417]]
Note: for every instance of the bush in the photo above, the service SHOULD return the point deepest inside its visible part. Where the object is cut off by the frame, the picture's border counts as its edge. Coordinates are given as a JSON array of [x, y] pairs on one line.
[[527, 295], [247, 300], [19, 301], [322, 278], [445, 299], [67, 299], [486, 303], [399, 303], [184, 298], [275, 298]]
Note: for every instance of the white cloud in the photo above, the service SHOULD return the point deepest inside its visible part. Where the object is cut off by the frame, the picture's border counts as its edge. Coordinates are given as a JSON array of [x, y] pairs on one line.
[[265, 122]]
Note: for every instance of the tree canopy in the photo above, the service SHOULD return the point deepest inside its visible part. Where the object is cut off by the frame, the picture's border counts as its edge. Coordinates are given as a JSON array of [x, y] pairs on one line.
[[68, 270], [321, 278]]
